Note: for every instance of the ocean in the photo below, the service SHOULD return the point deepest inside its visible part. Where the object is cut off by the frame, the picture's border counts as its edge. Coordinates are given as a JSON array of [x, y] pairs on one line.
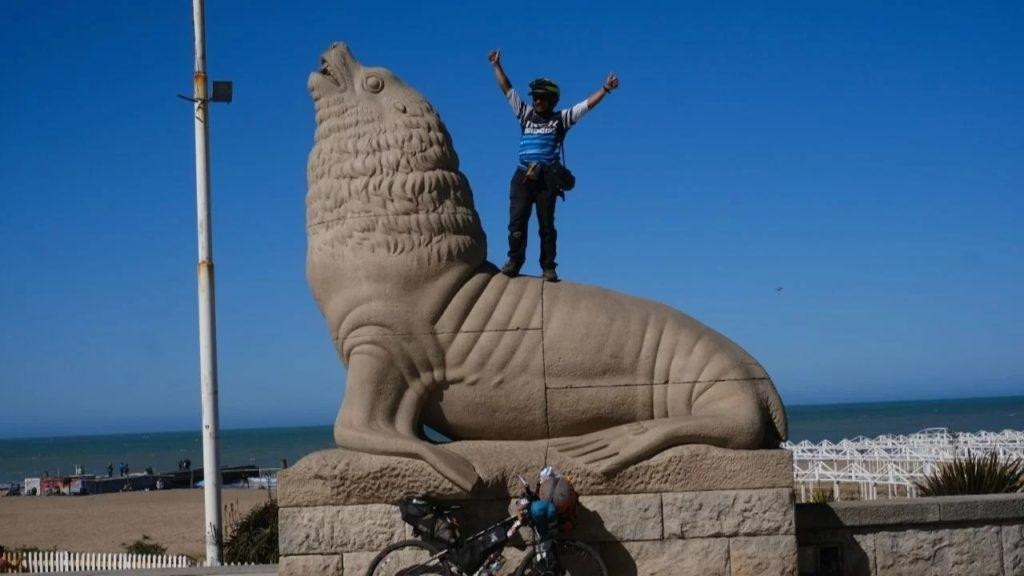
[[22, 458]]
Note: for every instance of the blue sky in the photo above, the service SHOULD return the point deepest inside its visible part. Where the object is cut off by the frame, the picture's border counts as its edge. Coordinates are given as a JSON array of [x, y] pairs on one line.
[[867, 157]]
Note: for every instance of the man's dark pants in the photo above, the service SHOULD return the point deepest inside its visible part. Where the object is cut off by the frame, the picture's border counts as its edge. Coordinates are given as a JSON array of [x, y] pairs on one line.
[[523, 195]]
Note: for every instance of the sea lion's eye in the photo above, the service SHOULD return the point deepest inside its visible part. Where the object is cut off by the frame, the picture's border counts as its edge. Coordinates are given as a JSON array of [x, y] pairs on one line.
[[373, 83]]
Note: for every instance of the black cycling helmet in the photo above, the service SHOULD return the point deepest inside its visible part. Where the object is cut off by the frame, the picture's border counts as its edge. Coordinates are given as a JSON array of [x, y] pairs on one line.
[[545, 87]]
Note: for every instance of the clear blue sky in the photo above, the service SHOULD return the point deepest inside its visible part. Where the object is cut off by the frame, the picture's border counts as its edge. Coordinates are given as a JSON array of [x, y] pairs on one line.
[[867, 157]]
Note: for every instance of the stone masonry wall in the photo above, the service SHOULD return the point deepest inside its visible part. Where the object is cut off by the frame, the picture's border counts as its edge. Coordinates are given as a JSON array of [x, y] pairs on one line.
[[694, 510], [947, 536]]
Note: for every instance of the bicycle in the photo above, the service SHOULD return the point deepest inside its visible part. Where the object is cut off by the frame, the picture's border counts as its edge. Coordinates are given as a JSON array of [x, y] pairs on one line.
[[441, 550]]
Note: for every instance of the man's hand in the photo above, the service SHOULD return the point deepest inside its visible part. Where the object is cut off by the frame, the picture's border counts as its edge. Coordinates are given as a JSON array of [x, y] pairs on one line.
[[495, 58], [611, 82]]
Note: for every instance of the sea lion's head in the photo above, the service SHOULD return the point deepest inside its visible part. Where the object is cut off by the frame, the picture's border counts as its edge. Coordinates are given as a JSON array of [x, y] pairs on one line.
[[384, 119], [387, 205]]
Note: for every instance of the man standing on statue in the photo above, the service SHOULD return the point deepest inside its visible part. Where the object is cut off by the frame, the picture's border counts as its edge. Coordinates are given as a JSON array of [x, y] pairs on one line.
[[543, 130]]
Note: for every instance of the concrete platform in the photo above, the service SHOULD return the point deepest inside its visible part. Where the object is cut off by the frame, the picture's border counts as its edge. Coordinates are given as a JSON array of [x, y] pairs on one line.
[[692, 510]]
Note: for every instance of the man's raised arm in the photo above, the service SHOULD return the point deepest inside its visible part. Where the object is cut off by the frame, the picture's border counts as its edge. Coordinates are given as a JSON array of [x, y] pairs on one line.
[[499, 72], [610, 83]]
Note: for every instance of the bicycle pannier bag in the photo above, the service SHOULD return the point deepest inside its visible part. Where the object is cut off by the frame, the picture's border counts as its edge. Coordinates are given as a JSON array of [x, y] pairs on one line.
[[473, 553], [422, 515]]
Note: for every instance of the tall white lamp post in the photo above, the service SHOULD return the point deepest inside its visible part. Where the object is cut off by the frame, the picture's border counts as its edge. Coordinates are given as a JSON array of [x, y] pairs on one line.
[[207, 315]]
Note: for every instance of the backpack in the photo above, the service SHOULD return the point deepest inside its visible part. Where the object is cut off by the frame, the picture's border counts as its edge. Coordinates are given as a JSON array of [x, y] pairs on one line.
[[426, 521], [559, 494]]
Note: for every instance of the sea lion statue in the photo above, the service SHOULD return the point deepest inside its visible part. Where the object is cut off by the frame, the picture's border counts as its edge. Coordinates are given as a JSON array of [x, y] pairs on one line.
[[431, 333]]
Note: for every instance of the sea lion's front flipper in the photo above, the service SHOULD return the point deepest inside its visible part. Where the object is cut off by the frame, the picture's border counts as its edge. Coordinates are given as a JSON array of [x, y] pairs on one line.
[[388, 443], [379, 412]]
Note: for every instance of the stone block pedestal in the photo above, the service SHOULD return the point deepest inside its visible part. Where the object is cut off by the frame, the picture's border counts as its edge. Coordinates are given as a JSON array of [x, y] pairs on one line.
[[692, 510]]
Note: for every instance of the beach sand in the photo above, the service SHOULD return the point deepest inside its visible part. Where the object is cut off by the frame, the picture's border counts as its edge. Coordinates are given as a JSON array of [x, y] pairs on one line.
[[102, 523]]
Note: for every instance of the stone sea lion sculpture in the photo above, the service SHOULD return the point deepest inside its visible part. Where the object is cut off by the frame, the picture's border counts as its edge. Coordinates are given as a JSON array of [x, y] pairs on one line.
[[431, 333]]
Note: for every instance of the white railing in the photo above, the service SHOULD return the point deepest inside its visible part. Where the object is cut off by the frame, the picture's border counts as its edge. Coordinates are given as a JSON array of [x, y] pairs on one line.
[[893, 462], [57, 561]]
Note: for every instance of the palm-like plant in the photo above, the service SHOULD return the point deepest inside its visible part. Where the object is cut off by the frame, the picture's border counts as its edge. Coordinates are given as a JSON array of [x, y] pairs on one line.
[[822, 495], [254, 538], [988, 474]]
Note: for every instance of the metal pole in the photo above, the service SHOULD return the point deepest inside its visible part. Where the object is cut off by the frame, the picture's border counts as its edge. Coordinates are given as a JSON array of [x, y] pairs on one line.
[[207, 316]]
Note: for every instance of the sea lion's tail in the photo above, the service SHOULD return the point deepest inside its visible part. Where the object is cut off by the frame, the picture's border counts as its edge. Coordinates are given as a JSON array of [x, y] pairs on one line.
[[778, 426]]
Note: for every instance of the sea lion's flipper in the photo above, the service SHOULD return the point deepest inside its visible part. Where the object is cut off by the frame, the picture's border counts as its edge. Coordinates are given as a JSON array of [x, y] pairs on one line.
[[728, 420], [380, 412], [612, 449], [389, 443]]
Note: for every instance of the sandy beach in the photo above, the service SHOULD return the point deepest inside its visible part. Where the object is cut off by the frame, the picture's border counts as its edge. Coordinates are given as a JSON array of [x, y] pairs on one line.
[[102, 523]]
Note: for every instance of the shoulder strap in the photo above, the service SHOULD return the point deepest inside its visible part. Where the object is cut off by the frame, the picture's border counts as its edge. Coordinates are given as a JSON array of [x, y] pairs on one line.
[[562, 131]]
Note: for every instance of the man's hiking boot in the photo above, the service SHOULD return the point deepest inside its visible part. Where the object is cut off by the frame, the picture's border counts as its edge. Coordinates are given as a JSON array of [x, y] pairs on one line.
[[550, 275], [511, 269]]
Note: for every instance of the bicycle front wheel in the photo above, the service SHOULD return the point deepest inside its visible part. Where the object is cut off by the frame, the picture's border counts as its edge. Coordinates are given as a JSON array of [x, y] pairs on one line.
[[574, 558], [409, 558]]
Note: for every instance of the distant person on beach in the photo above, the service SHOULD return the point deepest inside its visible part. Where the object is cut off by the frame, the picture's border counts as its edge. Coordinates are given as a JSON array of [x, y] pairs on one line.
[[188, 464], [110, 469]]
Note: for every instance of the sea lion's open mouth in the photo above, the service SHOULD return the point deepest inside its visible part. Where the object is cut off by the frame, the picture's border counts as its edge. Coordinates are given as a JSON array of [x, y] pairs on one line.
[[336, 66], [325, 70]]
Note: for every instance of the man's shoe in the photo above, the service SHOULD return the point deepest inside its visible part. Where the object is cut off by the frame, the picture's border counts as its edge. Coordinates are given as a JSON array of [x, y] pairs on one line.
[[550, 275], [511, 269]]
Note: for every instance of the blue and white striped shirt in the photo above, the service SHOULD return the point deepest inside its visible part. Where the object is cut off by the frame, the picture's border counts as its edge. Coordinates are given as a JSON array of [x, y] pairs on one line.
[[542, 135]]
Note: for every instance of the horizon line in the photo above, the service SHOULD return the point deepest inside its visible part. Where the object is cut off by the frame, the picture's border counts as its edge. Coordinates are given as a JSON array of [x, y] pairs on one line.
[[197, 430]]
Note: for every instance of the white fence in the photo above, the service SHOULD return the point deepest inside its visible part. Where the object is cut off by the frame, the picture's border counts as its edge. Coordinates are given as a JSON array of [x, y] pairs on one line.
[[53, 561], [894, 463]]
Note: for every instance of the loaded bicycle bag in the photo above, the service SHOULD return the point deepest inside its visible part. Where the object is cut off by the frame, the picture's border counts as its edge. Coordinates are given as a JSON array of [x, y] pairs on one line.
[[426, 521], [472, 554]]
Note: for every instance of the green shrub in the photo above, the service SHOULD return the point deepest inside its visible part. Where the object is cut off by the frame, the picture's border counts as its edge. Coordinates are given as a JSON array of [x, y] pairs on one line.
[[145, 546], [987, 474], [253, 539], [821, 494]]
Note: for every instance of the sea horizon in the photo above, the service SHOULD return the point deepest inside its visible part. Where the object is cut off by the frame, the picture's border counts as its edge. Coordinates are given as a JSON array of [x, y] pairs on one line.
[[789, 407], [272, 447]]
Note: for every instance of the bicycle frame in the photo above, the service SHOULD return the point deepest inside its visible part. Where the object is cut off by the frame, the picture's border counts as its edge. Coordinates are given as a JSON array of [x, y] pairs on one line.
[[516, 524], [452, 554]]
